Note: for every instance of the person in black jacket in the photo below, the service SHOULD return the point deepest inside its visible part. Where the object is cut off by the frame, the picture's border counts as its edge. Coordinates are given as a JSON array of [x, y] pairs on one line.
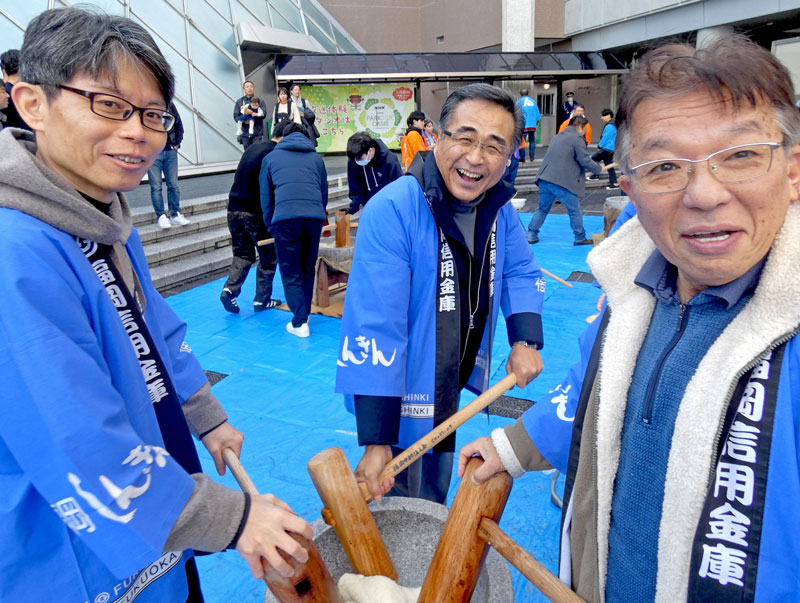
[[294, 194], [370, 167], [9, 62], [246, 223], [167, 162]]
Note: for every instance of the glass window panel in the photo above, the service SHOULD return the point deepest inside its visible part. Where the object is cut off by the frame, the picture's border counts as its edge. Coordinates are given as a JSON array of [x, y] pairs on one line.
[[344, 44], [289, 11], [189, 144], [181, 70], [222, 6], [215, 63], [279, 22], [22, 11], [314, 31], [212, 24], [10, 34], [256, 7], [217, 149], [215, 106], [321, 21], [163, 19]]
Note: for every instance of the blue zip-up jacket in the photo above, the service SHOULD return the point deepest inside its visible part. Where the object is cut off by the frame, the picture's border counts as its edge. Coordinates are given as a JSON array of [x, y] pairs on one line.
[[608, 138], [540, 437], [293, 181], [388, 337]]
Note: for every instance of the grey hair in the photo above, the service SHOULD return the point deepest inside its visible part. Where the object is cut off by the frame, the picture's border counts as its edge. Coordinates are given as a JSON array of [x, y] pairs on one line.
[[486, 92], [674, 70], [63, 43]]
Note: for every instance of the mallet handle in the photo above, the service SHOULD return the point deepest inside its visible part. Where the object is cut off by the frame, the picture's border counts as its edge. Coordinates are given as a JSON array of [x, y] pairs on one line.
[[550, 274], [441, 431], [327, 228], [321, 587], [550, 586]]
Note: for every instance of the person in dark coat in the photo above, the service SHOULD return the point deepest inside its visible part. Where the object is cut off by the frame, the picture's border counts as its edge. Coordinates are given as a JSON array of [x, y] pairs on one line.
[[294, 195], [246, 223], [370, 167], [562, 176]]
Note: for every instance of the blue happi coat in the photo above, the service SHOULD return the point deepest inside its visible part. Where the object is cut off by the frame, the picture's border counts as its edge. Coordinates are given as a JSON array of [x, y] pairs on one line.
[[87, 494], [388, 336]]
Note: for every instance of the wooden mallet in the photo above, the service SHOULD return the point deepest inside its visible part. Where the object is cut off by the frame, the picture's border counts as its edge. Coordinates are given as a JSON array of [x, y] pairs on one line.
[[311, 581], [470, 528], [346, 501]]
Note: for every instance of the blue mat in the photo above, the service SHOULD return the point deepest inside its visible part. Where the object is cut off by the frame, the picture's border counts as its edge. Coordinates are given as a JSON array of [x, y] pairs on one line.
[[279, 393]]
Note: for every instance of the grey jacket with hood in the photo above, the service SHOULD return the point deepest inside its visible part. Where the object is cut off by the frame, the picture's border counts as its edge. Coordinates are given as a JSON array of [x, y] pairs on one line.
[[212, 516]]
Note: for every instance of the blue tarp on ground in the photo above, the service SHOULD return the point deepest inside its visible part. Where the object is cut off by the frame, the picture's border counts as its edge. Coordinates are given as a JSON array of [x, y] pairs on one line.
[[279, 393]]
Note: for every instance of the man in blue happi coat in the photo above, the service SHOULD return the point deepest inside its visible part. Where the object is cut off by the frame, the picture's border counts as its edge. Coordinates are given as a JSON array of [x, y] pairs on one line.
[[440, 252], [102, 497]]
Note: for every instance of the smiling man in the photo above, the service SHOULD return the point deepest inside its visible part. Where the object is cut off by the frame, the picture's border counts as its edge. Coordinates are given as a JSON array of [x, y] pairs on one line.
[[683, 480], [440, 252], [103, 496]]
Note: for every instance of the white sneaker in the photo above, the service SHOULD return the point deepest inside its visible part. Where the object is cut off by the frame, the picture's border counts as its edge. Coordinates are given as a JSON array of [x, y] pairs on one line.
[[301, 331], [163, 221], [178, 220]]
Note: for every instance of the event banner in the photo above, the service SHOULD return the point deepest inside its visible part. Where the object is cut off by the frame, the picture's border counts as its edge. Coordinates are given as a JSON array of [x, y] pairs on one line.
[[342, 110]]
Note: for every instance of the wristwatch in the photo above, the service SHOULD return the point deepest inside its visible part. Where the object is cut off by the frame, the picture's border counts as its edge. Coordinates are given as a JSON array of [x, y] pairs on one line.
[[526, 344]]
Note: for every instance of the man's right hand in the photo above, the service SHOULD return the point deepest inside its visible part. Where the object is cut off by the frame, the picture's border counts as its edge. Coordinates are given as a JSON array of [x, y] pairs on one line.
[[370, 467], [484, 448], [266, 531]]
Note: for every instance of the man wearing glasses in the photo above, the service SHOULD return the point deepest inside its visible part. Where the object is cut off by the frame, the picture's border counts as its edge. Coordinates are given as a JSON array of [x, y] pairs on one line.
[[103, 496], [682, 476], [440, 252]]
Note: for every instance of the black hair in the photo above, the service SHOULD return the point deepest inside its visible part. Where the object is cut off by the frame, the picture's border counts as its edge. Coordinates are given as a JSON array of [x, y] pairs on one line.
[[358, 144]]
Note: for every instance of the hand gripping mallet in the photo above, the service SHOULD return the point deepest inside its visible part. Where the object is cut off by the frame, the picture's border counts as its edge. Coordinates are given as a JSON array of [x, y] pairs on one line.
[[311, 581], [346, 501], [470, 528]]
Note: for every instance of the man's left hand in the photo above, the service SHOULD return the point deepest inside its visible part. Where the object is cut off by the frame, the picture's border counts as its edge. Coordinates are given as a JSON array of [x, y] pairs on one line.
[[526, 363], [224, 436]]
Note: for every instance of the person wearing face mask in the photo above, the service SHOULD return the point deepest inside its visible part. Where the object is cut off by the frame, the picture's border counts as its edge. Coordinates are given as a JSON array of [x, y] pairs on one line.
[[370, 167]]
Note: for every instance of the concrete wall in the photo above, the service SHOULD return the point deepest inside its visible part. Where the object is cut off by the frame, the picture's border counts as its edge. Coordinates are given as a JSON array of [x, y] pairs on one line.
[[599, 24], [415, 25]]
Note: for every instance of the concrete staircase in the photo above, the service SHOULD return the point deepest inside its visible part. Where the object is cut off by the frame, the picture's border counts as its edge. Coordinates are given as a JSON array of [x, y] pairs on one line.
[[184, 256]]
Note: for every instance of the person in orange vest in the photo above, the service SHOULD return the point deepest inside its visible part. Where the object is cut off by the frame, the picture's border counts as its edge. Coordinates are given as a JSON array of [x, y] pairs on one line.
[[579, 111], [414, 140]]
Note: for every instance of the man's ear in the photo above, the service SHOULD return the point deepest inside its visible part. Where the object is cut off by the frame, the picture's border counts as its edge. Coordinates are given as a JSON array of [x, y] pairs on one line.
[[627, 186], [31, 104], [793, 159]]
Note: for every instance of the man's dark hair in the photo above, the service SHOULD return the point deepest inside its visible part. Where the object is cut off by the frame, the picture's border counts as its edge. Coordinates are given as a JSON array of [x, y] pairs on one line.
[[358, 144], [63, 43], [415, 115], [9, 61], [292, 127], [278, 129], [248, 82], [523, 92], [489, 93], [732, 69], [578, 120], [608, 112]]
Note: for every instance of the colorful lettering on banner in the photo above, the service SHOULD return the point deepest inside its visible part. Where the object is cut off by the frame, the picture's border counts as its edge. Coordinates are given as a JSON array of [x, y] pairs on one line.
[[725, 554], [364, 345]]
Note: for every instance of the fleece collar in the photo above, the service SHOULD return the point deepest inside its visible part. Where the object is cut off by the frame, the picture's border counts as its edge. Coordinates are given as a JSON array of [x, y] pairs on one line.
[[29, 186], [772, 313]]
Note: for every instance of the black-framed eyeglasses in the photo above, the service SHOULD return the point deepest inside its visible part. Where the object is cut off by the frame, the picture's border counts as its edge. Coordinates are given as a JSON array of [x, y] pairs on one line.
[[119, 109], [734, 164], [466, 143]]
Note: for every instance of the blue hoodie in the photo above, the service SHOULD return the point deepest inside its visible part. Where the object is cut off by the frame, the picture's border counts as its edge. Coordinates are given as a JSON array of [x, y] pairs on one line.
[[293, 181]]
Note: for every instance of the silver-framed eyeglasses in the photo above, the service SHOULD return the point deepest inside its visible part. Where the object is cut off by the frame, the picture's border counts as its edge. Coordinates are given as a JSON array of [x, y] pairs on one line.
[[734, 164], [466, 143], [119, 109]]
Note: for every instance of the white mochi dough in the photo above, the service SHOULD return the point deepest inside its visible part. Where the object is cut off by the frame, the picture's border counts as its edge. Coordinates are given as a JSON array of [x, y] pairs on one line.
[[355, 588]]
